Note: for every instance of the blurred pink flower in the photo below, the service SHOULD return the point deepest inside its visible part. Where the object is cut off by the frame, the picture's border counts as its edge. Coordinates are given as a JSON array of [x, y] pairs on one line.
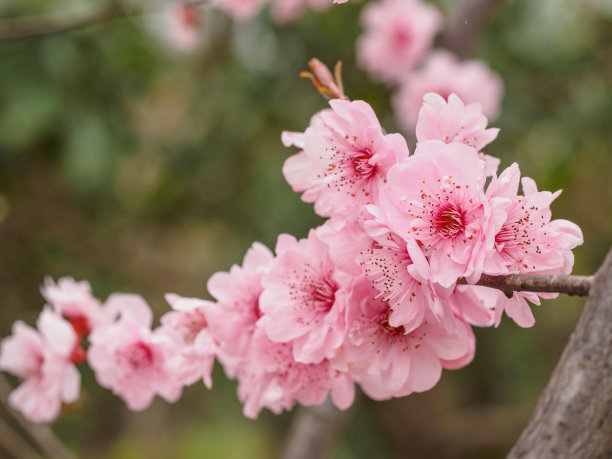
[[345, 159], [130, 359], [240, 10], [74, 301], [472, 81], [195, 348], [304, 299], [397, 35], [42, 359], [284, 11], [183, 25]]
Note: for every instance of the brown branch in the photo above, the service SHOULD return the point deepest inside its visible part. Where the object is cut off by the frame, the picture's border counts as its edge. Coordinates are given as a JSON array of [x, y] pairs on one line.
[[42, 434], [14, 445], [313, 431], [467, 25], [573, 417], [57, 23], [571, 285]]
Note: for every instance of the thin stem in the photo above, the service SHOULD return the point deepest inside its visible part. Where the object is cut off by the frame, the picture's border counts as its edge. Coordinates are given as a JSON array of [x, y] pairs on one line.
[[57, 23]]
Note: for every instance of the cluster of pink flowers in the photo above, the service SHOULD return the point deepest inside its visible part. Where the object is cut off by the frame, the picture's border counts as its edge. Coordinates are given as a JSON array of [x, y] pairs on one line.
[[372, 297], [395, 48]]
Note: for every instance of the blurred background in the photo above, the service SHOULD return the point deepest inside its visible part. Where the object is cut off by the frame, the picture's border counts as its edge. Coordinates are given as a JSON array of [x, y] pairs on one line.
[[145, 170]]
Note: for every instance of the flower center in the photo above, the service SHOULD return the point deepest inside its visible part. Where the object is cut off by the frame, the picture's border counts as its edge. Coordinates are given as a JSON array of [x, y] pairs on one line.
[[389, 330], [139, 355], [361, 164], [323, 294], [449, 220]]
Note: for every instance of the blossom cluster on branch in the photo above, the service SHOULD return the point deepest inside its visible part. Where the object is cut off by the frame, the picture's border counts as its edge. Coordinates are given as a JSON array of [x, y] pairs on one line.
[[370, 297]]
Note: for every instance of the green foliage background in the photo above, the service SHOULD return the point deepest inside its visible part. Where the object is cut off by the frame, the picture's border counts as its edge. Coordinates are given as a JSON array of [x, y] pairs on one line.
[[146, 171]]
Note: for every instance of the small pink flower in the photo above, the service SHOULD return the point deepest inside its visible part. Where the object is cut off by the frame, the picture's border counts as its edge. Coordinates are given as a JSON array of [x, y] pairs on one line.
[[345, 159], [452, 121], [473, 81], [304, 299], [389, 362], [240, 10], [233, 317], [196, 349], [74, 301], [42, 359], [273, 379], [130, 359], [183, 25], [397, 35], [436, 198], [284, 11]]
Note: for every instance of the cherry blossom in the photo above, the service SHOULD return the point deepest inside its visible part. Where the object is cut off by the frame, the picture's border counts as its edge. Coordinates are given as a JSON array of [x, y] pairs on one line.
[[43, 361], [471, 80], [130, 359], [397, 35], [345, 158]]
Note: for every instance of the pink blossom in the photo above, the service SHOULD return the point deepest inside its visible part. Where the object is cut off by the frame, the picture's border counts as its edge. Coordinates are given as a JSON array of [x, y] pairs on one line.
[[397, 35], [74, 301], [130, 359], [183, 25], [273, 379], [42, 359], [389, 362], [436, 198], [188, 328], [240, 10], [472, 80], [452, 121], [284, 11], [345, 159], [304, 299], [233, 317]]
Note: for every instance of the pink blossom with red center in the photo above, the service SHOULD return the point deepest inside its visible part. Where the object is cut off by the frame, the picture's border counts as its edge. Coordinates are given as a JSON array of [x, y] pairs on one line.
[[304, 299], [471, 80], [397, 34], [183, 26], [436, 198], [186, 325], [43, 361], [272, 379], [388, 361], [130, 359], [452, 121], [345, 160], [74, 301], [233, 316]]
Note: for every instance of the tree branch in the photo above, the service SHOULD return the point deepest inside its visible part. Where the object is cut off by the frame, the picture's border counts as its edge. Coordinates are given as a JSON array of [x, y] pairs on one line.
[[468, 25], [571, 285], [573, 417], [40, 433], [313, 431], [57, 23]]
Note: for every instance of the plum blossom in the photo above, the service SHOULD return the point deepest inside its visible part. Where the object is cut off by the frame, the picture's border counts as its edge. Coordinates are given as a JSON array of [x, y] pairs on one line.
[[75, 301], [284, 11], [452, 121], [397, 35], [43, 361], [183, 25], [345, 158], [472, 81], [233, 316], [272, 379], [187, 326], [436, 197], [304, 299], [388, 361], [130, 359]]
